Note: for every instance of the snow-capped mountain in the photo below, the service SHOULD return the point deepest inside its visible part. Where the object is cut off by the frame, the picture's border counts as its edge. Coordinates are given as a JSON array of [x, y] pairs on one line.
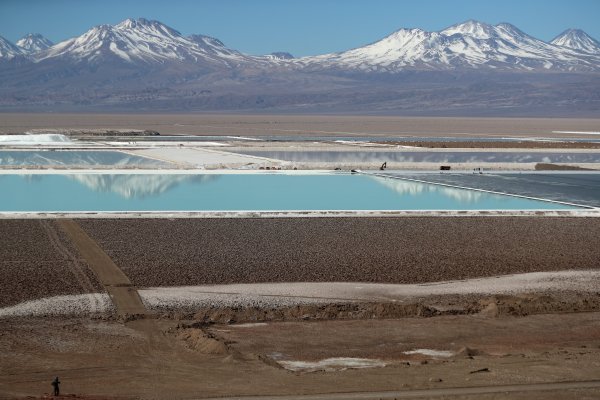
[[471, 44], [578, 40], [8, 50], [140, 41], [144, 65], [214, 46], [33, 42], [280, 55]]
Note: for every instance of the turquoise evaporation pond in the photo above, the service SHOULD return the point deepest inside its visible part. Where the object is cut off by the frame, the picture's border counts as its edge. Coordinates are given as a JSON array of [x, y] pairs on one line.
[[239, 192]]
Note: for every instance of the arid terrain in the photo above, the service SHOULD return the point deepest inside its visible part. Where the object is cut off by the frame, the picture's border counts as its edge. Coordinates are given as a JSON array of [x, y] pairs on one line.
[[384, 250], [170, 359], [305, 125], [533, 344], [458, 305], [38, 261]]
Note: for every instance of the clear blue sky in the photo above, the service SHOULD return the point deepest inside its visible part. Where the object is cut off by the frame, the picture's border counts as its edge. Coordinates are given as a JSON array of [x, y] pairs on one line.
[[302, 27]]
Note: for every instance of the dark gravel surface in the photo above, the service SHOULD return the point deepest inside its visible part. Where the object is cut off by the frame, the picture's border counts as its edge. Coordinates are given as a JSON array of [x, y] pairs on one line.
[[160, 252], [37, 260]]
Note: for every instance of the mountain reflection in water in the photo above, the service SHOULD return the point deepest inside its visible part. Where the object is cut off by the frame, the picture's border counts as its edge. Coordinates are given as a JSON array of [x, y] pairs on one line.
[[138, 186], [403, 187]]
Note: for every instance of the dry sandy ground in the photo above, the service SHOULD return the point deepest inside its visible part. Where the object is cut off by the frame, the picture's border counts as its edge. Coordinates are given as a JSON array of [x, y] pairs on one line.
[[170, 359], [430, 342], [253, 125]]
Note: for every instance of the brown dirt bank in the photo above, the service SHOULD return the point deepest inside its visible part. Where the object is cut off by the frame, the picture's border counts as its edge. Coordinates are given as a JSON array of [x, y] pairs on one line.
[[160, 252], [37, 260], [475, 336], [552, 302], [155, 359]]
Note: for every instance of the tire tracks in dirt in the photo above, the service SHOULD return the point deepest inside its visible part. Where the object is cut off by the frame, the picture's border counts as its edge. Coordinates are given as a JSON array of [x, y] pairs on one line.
[[122, 293], [73, 264]]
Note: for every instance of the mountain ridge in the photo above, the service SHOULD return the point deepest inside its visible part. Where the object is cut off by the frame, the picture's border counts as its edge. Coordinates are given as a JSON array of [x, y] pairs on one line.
[[146, 65], [471, 44]]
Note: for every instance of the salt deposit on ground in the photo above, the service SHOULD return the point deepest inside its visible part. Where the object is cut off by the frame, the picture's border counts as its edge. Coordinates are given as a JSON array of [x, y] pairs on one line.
[[45, 139], [203, 158], [80, 304], [360, 143], [249, 325], [431, 353], [286, 294], [245, 138], [331, 364], [169, 144], [196, 297]]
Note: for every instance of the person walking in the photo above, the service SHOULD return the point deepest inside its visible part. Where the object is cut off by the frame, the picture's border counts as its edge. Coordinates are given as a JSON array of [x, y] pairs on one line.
[[56, 385]]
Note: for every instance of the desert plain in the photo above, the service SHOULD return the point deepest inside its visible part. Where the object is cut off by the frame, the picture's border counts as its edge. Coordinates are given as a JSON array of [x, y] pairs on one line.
[[368, 307]]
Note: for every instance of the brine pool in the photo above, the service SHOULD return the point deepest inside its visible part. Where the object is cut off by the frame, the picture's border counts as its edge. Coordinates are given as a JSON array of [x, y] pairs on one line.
[[118, 192], [428, 156], [74, 158]]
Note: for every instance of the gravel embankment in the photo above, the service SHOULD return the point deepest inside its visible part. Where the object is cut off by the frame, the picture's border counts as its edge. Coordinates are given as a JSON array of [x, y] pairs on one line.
[[160, 252], [37, 261], [269, 295]]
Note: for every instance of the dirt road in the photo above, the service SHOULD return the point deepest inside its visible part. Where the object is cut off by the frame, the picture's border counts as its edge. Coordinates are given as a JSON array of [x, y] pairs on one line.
[[433, 393], [117, 284]]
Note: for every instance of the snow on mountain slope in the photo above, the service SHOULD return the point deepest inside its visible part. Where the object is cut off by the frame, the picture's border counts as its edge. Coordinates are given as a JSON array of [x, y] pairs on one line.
[[33, 42], [214, 46], [578, 40], [141, 40], [471, 44], [8, 50], [280, 55]]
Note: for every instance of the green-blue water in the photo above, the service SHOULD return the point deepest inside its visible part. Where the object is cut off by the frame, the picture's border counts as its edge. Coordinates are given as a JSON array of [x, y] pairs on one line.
[[238, 192]]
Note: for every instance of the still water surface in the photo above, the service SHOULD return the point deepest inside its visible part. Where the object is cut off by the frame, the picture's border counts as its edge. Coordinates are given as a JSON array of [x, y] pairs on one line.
[[242, 192], [427, 156]]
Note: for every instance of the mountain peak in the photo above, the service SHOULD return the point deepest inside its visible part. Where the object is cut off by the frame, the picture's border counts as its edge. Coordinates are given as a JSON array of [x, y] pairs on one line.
[[281, 55], [473, 28], [148, 25], [33, 42], [577, 39], [470, 44], [140, 41], [8, 50], [134, 23]]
